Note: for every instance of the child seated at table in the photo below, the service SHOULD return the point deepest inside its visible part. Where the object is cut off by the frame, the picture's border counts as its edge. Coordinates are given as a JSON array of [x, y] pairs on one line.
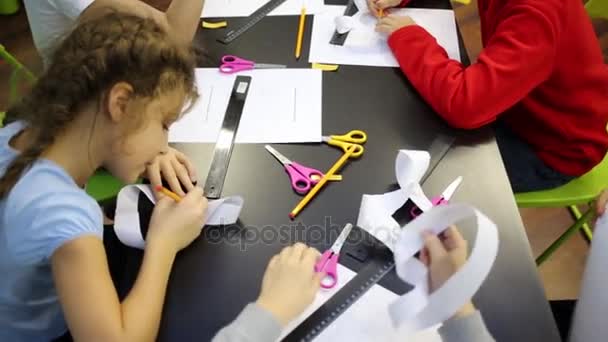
[[52, 20], [541, 77]]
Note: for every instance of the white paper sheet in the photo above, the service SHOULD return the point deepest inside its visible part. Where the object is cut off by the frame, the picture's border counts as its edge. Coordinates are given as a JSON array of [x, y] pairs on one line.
[[126, 219], [282, 106], [244, 8], [364, 46], [418, 310], [366, 320]]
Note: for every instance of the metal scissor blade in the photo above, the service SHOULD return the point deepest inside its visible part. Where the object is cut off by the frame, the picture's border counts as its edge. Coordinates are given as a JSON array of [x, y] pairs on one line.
[[451, 189], [337, 246], [281, 158], [270, 66]]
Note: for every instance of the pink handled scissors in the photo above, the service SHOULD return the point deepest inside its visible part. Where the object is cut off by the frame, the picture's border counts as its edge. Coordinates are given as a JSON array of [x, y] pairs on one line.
[[302, 177], [442, 199], [328, 263], [232, 64]]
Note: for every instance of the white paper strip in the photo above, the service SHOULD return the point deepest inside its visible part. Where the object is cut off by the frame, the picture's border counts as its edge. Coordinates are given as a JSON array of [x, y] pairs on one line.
[[126, 219], [417, 310]]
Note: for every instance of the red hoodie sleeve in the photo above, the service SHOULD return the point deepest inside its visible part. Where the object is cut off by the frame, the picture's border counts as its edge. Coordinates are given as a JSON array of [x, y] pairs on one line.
[[517, 58], [404, 3]]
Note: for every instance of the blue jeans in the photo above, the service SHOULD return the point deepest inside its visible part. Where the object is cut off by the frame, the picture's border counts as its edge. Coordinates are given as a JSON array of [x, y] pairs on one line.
[[526, 171]]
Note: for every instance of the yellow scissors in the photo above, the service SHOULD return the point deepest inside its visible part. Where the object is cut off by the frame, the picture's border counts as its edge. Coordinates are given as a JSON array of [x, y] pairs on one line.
[[354, 137]]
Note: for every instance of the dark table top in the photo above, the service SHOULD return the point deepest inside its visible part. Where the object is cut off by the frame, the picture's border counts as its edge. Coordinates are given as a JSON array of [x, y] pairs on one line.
[[221, 271]]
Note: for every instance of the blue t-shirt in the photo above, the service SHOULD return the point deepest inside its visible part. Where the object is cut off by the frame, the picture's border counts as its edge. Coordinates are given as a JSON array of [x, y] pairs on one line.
[[43, 211]]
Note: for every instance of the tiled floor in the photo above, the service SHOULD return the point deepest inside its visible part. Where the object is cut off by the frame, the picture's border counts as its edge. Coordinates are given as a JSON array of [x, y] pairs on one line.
[[561, 274]]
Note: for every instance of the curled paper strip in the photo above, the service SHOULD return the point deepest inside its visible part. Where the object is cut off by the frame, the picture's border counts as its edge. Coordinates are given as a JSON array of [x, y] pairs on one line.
[[417, 310], [360, 27], [126, 220], [375, 213], [344, 24]]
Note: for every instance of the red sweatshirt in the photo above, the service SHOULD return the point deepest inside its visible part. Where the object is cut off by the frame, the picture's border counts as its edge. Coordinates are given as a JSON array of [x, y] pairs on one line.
[[541, 69]]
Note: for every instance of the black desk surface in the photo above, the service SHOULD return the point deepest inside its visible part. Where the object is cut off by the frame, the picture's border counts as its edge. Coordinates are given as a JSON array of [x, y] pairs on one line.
[[222, 270]]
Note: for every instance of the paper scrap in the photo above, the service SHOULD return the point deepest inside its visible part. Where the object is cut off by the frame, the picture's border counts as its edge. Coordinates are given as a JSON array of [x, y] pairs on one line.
[[366, 320], [244, 8], [212, 26], [126, 219], [282, 106], [417, 310], [375, 213], [365, 46], [325, 67]]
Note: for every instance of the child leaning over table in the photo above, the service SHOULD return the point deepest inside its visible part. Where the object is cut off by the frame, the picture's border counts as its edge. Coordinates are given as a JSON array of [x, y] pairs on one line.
[[541, 76]]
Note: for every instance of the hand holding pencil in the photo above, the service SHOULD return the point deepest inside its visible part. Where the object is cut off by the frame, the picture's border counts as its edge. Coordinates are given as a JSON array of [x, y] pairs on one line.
[[176, 221]]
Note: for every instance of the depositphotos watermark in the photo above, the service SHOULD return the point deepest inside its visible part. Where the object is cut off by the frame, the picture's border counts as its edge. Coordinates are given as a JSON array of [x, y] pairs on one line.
[[316, 234]]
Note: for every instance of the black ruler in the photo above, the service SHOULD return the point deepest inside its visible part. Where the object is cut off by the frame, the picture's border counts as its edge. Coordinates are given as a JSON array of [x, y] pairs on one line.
[[340, 38], [380, 263], [253, 19], [225, 140], [374, 270]]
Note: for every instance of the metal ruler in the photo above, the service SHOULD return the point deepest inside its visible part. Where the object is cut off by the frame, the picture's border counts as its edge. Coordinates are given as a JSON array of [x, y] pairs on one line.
[[225, 140], [251, 20], [340, 38], [379, 264], [374, 270]]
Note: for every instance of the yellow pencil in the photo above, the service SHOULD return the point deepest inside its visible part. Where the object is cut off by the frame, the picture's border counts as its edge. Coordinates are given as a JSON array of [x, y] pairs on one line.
[[322, 182], [300, 32], [168, 192], [381, 13]]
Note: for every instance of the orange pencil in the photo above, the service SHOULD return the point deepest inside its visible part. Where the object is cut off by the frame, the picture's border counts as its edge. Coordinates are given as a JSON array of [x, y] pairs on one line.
[[300, 32], [168, 192], [335, 168], [381, 13]]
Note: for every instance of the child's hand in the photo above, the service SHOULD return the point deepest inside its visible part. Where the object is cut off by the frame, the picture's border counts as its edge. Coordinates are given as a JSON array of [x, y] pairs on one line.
[[392, 23], [177, 224], [444, 257], [376, 5], [290, 283], [600, 204], [174, 167]]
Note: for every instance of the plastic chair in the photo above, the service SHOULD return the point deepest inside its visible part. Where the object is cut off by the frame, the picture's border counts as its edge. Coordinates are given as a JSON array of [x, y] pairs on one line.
[[597, 8], [9, 7], [582, 190], [19, 73]]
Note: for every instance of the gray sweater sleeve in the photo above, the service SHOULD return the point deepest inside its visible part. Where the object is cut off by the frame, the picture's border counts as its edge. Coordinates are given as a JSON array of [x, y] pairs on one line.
[[466, 329], [253, 324]]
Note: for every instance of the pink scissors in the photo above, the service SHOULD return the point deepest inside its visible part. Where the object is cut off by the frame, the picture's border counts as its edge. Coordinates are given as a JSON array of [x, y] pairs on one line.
[[232, 64], [442, 199], [302, 177], [329, 260]]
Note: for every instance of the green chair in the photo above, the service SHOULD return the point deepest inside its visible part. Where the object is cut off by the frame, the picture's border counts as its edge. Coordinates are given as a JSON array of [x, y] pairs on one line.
[[102, 186], [580, 191], [9, 6], [19, 74], [597, 8]]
